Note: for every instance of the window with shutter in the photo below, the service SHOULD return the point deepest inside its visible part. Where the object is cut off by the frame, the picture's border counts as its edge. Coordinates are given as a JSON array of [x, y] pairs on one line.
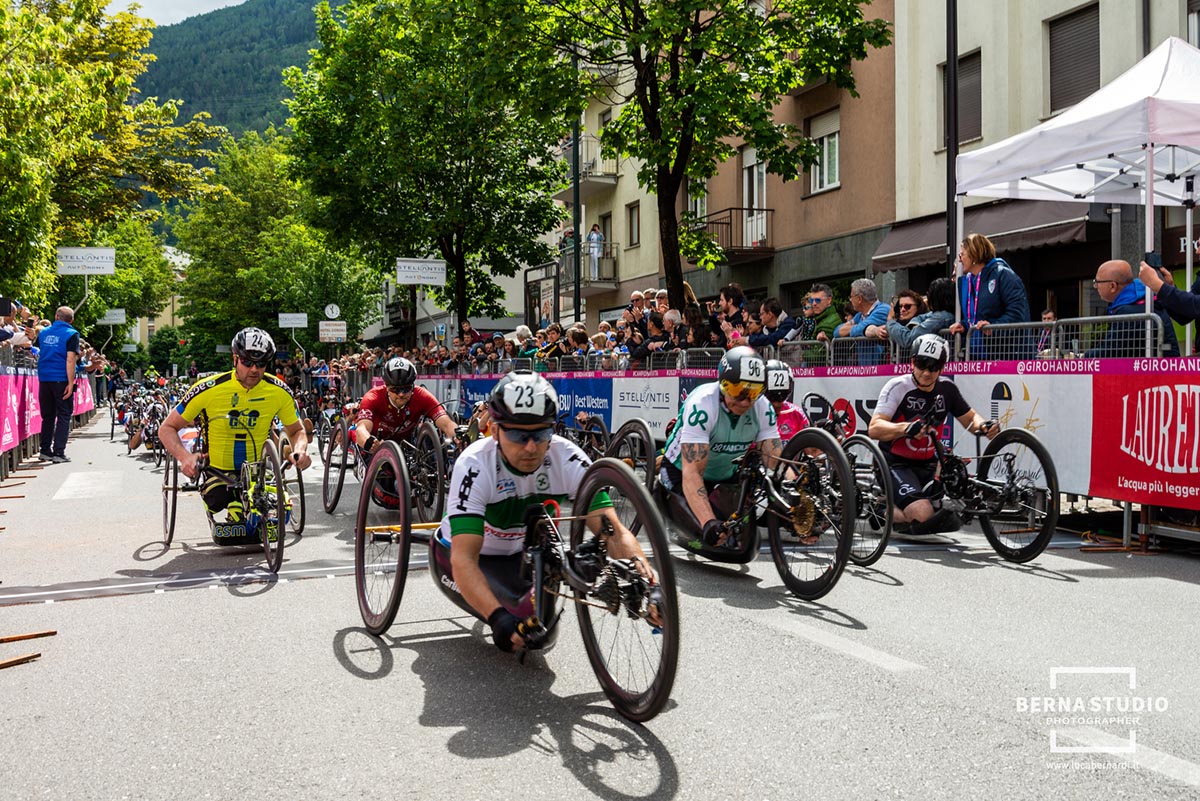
[[970, 99], [1074, 57], [825, 131]]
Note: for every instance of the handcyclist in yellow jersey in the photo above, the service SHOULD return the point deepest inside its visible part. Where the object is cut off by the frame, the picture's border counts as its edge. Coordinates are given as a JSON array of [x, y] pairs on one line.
[[236, 410]]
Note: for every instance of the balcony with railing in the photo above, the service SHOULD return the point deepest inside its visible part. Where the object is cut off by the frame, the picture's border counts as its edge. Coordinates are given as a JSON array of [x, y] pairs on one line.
[[597, 174], [744, 234], [597, 268]]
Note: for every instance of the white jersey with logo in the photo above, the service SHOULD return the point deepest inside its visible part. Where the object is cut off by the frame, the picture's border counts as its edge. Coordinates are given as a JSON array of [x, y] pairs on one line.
[[705, 420], [488, 498]]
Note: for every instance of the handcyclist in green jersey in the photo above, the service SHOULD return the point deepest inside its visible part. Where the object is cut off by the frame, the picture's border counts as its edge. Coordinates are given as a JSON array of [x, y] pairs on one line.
[[718, 423]]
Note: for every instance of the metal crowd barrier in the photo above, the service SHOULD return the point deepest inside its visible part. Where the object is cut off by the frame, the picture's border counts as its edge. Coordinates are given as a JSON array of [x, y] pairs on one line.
[[805, 353]]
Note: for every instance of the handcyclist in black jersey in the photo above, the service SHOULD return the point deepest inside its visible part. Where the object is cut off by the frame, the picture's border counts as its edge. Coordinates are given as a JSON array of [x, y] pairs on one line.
[[907, 417]]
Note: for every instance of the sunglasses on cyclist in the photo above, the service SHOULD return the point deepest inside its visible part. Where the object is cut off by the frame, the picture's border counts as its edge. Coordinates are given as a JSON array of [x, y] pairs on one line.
[[400, 390], [249, 362], [925, 363], [742, 390], [519, 436]]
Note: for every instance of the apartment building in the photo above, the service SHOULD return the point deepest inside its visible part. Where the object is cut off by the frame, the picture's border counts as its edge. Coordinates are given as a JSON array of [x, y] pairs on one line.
[[1020, 62]]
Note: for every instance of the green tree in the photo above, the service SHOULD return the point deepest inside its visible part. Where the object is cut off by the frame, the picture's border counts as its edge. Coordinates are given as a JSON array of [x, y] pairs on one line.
[[253, 256], [142, 284], [703, 76], [165, 349], [78, 151], [430, 133]]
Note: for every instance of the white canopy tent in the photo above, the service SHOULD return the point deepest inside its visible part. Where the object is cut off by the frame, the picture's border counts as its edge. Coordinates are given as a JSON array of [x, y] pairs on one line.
[[1135, 141]]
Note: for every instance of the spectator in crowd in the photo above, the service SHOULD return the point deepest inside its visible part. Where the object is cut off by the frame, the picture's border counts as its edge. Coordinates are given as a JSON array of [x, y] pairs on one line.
[[825, 323], [776, 324], [469, 335], [635, 312], [672, 320], [58, 352], [1125, 294], [990, 293], [556, 347], [726, 314], [595, 240], [656, 342], [663, 301], [1048, 317], [938, 317], [1183, 306], [868, 311]]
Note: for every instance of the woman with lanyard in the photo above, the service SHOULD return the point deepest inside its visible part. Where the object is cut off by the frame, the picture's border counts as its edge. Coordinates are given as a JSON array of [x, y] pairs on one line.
[[990, 293]]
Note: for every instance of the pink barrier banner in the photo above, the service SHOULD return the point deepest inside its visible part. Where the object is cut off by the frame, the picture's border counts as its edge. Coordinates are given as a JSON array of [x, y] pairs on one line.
[[8, 413], [20, 412]]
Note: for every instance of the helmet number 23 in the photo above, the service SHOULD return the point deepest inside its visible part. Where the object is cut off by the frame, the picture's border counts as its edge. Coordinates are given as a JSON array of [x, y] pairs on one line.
[[523, 397]]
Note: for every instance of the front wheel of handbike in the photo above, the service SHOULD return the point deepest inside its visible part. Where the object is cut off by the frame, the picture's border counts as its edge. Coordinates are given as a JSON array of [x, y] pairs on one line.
[[270, 502], [810, 539], [873, 482], [427, 474], [334, 459], [633, 657], [293, 483], [170, 493], [382, 538], [633, 444], [1020, 474]]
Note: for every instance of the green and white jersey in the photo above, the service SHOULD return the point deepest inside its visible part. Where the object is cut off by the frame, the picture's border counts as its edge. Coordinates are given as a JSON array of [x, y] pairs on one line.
[[488, 498], [705, 420]]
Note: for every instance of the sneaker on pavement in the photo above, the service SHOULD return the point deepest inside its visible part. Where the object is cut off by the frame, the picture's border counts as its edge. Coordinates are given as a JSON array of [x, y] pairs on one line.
[[60, 458]]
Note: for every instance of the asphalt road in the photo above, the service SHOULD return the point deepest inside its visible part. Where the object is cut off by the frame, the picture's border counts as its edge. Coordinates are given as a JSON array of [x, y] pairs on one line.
[[187, 674]]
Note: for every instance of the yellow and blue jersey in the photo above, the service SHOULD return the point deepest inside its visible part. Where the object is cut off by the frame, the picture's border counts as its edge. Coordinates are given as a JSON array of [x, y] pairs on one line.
[[237, 420]]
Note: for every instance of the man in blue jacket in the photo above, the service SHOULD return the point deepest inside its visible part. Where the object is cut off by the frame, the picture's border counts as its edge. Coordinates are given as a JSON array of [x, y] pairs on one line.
[[990, 293], [1125, 294], [864, 299], [59, 351], [1183, 306]]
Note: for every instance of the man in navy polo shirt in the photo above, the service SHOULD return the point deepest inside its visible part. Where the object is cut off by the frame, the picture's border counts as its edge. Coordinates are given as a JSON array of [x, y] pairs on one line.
[[59, 350]]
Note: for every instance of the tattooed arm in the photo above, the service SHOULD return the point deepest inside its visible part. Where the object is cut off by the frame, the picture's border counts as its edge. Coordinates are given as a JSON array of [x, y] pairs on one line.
[[695, 459], [771, 448]]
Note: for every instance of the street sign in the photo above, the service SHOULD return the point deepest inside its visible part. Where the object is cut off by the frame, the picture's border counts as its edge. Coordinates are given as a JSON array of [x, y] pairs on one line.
[[425, 272], [87, 261], [293, 320], [129, 347], [112, 317], [332, 330]]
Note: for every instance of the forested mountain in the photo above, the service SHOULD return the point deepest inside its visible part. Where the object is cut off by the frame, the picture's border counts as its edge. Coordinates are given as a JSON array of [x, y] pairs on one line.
[[229, 62]]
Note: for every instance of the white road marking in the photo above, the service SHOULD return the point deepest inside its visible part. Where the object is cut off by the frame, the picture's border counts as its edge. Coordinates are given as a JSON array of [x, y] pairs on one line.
[[845, 645], [1172, 767], [90, 484]]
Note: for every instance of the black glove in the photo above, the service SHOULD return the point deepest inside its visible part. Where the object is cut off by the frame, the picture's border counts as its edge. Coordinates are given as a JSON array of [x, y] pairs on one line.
[[986, 426], [504, 626], [713, 530], [914, 429]]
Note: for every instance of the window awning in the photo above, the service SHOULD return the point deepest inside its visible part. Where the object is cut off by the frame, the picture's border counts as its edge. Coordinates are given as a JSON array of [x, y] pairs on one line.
[[1011, 225]]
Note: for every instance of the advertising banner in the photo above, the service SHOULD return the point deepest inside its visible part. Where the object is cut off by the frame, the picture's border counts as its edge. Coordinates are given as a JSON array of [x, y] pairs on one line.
[[87, 261], [654, 398], [421, 272]]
